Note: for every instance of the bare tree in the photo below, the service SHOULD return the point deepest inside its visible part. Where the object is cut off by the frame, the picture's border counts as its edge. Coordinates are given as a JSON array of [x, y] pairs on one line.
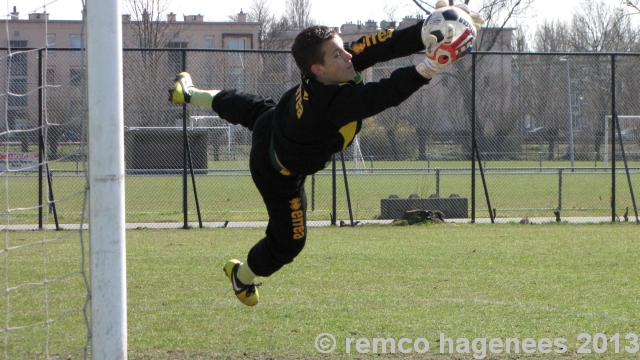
[[280, 35], [597, 26], [634, 5], [520, 40], [259, 12], [149, 26], [424, 5], [390, 11], [497, 13], [552, 36], [298, 13]]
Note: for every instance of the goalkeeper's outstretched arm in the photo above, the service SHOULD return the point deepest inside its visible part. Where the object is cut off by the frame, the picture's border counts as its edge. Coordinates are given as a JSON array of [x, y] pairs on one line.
[[385, 45], [390, 44]]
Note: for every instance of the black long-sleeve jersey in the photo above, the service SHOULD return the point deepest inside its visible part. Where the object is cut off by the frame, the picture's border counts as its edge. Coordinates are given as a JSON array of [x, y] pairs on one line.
[[312, 121]]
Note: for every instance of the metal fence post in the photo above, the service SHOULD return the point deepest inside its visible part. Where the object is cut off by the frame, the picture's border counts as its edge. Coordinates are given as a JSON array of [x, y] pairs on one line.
[[540, 159], [613, 139], [40, 138], [346, 186], [334, 216], [559, 188], [313, 192], [626, 168], [185, 209], [473, 137]]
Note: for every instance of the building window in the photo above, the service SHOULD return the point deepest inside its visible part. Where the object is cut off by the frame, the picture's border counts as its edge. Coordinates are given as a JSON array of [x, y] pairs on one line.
[[76, 76], [51, 40], [76, 42], [235, 43], [18, 65], [51, 43], [177, 44], [18, 43], [209, 42]]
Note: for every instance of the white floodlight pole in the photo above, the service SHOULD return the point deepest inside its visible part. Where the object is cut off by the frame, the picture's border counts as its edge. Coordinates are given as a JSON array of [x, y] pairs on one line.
[[106, 181]]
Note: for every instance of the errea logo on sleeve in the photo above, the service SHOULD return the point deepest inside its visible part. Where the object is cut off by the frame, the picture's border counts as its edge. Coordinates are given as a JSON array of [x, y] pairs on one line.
[[372, 39]]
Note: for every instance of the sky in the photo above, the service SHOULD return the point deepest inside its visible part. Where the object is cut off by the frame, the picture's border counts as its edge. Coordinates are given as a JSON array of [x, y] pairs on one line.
[[327, 12]]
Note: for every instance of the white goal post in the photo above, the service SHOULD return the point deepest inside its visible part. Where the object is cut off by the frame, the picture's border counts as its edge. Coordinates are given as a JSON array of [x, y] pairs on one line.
[[358, 160], [627, 123], [106, 180]]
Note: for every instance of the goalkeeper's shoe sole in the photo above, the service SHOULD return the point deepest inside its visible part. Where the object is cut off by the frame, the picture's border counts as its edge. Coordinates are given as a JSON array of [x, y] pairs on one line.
[[247, 294], [179, 94]]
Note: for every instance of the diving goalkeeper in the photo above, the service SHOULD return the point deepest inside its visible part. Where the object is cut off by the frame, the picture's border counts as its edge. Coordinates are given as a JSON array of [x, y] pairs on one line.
[[317, 118]]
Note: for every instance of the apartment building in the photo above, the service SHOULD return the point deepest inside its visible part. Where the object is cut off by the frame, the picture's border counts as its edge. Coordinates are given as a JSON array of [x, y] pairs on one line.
[[191, 31], [29, 35]]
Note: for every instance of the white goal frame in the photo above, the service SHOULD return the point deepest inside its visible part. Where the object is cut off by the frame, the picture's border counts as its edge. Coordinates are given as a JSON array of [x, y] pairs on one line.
[[607, 134], [106, 180], [358, 160]]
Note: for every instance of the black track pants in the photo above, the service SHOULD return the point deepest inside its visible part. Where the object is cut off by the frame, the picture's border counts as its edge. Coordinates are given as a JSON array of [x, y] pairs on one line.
[[284, 196], [286, 204]]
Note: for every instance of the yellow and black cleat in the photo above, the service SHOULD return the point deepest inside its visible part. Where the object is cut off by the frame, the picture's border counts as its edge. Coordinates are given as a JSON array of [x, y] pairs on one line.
[[247, 294], [179, 94]]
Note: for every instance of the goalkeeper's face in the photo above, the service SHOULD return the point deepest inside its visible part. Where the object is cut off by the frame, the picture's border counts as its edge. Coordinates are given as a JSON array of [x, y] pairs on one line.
[[337, 67]]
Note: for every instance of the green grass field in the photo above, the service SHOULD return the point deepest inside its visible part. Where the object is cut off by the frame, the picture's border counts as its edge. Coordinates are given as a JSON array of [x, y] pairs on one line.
[[463, 281], [233, 197]]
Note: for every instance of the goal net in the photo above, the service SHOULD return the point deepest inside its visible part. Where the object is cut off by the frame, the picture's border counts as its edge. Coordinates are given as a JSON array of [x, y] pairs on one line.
[[629, 128], [45, 297]]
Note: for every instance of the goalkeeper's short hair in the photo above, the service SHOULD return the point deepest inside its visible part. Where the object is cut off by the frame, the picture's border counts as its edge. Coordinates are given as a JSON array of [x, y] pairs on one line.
[[307, 47]]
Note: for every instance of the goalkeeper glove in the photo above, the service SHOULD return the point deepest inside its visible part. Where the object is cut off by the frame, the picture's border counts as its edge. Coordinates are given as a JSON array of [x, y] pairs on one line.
[[431, 37], [432, 34], [446, 52], [183, 92]]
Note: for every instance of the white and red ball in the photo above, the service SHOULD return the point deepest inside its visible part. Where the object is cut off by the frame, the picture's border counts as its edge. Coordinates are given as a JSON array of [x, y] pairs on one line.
[[436, 24]]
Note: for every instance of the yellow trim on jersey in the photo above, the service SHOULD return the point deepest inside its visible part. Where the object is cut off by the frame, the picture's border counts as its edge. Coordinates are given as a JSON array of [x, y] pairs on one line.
[[348, 133]]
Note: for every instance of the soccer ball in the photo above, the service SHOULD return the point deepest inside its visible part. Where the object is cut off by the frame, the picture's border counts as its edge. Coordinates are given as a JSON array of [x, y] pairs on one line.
[[436, 25]]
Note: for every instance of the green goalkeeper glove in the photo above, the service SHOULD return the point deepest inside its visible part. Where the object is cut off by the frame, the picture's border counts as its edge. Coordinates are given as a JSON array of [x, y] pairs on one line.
[[183, 92]]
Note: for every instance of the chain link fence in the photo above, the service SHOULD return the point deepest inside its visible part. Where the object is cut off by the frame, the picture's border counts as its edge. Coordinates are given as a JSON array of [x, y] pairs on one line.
[[43, 137], [542, 130]]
